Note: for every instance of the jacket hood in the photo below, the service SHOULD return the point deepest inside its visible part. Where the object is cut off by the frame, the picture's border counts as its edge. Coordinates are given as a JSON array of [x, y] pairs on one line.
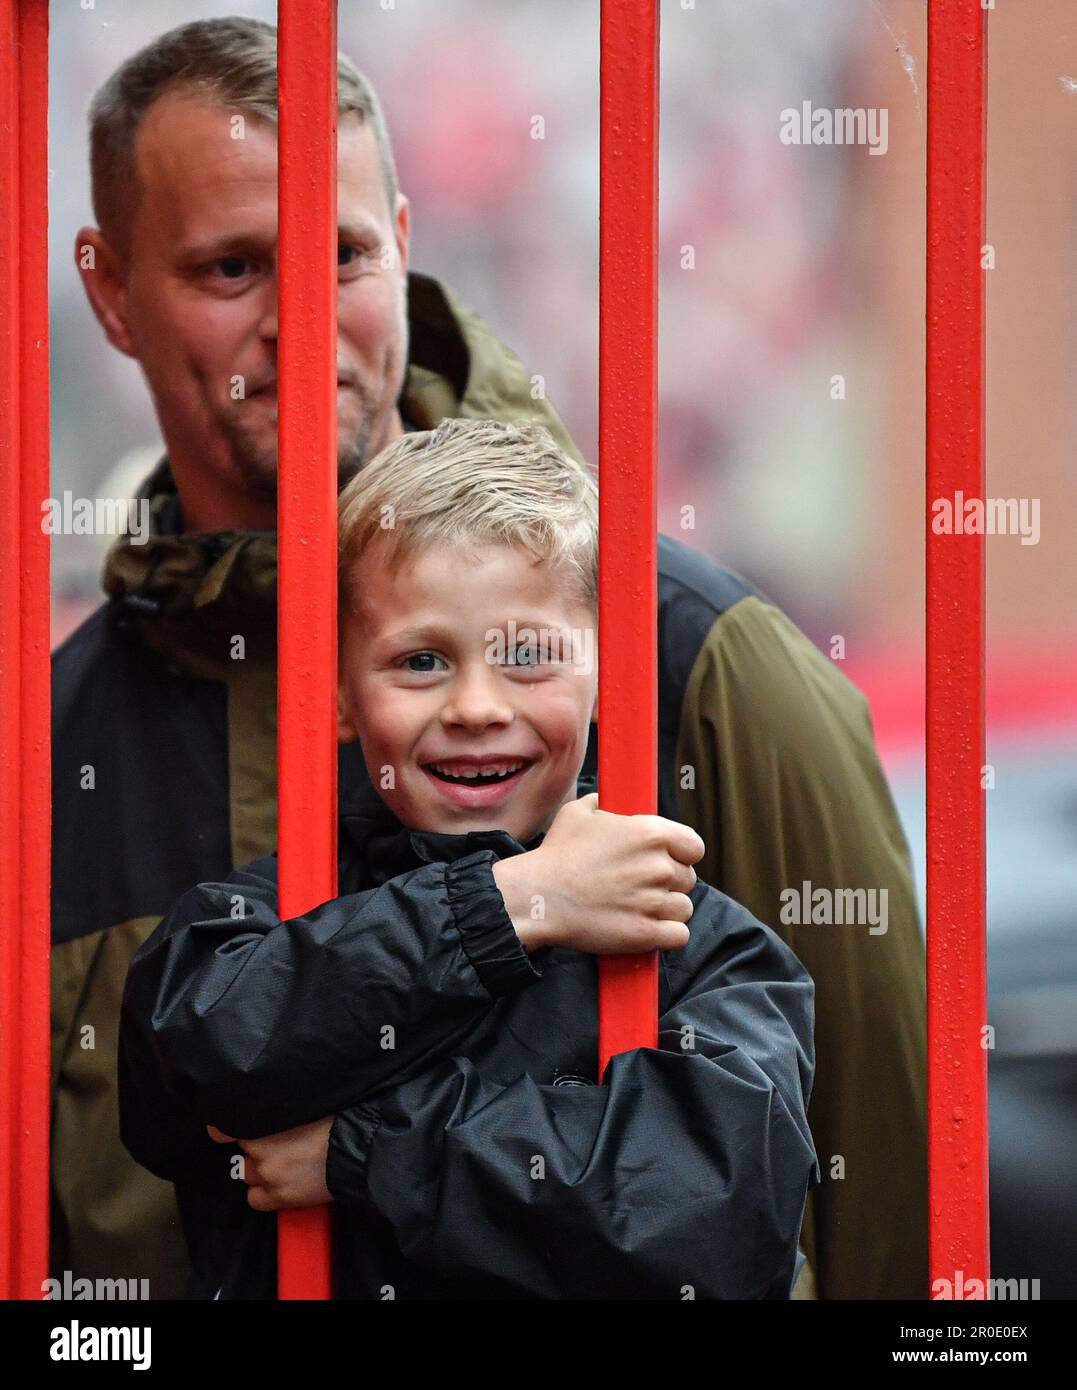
[[190, 593], [385, 848]]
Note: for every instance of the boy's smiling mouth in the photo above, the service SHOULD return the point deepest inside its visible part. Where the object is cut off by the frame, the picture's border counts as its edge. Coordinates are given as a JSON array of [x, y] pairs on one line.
[[476, 781]]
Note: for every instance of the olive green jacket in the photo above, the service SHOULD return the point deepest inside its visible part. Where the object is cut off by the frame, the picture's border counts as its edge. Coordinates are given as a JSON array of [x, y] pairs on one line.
[[164, 775]]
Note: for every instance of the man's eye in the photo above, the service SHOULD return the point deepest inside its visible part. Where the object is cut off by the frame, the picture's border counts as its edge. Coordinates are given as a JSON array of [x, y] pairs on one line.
[[349, 255], [422, 662], [233, 267]]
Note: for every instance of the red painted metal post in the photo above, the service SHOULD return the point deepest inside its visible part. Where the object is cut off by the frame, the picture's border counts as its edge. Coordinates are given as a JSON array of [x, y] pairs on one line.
[[307, 517], [25, 777], [10, 517], [956, 859], [628, 440]]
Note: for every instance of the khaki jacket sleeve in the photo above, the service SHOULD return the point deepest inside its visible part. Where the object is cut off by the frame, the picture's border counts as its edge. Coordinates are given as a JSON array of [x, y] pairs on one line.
[[784, 784], [110, 1218]]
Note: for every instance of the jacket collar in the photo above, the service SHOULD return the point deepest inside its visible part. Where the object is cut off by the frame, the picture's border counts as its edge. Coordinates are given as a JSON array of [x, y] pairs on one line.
[[187, 593], [383, 847]]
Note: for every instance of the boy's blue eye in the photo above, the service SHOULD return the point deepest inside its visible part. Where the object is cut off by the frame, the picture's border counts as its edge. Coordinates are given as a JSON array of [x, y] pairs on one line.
[[527, 654], [427, 658]]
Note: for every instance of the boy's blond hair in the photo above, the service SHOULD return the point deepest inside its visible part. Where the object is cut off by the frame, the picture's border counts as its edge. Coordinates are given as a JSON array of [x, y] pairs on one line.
[[473, 483]]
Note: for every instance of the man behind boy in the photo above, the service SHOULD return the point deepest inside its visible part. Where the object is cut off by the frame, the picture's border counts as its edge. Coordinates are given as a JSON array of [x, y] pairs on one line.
[[424, 1070]]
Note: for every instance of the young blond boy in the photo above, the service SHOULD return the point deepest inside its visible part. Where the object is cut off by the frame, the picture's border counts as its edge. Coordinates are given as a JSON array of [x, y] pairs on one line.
[[438, 1082]]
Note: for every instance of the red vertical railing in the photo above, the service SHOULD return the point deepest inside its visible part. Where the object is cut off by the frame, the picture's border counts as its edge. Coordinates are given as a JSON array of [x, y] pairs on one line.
[[10, 643], [628, 440], [25, 777], [956, 863], [628, 602], [307, 517]]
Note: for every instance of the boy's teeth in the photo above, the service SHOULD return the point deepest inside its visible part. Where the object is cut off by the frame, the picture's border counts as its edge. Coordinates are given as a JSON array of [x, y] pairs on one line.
[[489, 770]]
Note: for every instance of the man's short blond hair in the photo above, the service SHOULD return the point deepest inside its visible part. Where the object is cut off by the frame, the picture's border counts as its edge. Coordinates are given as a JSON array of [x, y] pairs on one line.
[[472, 483], [232, 63]]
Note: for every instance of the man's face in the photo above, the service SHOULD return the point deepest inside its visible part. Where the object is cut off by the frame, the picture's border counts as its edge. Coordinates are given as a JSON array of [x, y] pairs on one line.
[[198, 304], [429, 685]]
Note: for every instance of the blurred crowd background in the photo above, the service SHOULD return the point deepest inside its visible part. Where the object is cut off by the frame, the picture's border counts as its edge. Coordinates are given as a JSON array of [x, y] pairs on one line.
[[807, 263]]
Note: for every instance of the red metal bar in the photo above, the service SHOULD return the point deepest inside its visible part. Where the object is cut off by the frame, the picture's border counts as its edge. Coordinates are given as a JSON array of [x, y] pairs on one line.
[[36, 682], [628, 447], [307, 517], [10, 762], [25, 777], [956, 857]]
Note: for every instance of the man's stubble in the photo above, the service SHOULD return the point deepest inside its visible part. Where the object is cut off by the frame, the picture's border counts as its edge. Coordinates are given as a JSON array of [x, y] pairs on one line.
[[255, 462]]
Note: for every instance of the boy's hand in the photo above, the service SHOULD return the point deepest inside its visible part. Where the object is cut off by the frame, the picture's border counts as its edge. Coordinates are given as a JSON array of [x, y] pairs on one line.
[[603, 883], [287, 1169]]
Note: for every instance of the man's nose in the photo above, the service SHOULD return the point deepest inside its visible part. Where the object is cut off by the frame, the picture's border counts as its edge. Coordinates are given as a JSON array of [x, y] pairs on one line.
[[268, 323], [476, 700]]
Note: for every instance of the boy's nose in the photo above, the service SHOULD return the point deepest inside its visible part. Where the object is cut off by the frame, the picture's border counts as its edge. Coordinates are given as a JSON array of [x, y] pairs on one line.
[[476, 702]]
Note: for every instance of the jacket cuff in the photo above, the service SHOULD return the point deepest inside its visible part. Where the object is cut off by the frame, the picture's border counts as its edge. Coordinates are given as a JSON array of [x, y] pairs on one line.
[[489, 938], [350, 1138]]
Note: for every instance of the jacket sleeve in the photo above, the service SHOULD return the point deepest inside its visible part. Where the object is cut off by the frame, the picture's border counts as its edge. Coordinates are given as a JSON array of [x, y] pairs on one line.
[[788, 790], [257, 1025], [682, 1176]]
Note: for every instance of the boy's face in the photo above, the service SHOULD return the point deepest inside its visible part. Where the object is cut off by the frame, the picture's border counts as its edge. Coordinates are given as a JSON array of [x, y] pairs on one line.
[[429, 685]]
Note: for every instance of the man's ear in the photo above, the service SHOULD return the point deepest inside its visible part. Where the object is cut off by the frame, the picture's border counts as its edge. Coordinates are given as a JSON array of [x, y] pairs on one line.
[[346, 730], [402, 224], [102, 275]]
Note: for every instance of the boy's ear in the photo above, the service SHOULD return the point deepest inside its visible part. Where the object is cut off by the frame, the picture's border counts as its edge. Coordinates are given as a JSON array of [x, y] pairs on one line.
[[346, 730]]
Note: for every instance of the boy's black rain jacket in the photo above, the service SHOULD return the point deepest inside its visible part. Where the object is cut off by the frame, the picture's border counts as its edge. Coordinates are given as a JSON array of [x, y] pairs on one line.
[[472, 1155]]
